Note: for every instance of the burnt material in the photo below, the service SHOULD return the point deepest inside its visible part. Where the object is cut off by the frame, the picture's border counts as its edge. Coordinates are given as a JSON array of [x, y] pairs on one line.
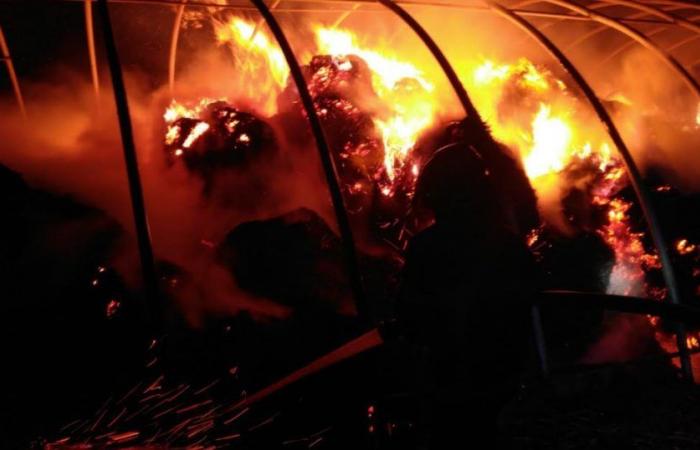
[[294, 259], [222, 137], [341, 88]]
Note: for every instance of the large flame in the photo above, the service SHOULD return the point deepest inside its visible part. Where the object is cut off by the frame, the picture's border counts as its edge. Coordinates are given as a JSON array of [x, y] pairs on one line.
[[544, 127], [551, 138], [259, 60], [411, 112], [526, 106]]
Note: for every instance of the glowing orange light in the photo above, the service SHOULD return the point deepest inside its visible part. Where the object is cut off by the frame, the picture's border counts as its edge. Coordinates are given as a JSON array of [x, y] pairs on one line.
[[196, 132], [684, 247]]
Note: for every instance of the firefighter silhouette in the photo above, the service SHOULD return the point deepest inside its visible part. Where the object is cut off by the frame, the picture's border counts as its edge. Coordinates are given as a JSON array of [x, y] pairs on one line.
[[463, 302]]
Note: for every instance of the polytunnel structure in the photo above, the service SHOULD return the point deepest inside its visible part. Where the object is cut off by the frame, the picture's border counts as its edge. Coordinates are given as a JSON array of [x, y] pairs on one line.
[[588, 56]]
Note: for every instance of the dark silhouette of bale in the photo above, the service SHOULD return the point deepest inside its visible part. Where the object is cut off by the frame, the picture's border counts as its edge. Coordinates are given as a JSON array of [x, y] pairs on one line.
[[294, 259], [679, 215], [583, 263], [52, 315]]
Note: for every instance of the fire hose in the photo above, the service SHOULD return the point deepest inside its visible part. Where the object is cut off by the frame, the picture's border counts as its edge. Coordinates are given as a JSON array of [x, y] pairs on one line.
[[373, 338], [361, 344]]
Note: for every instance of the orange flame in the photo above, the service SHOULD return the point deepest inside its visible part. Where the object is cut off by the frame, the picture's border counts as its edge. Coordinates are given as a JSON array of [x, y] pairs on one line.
[[259, 60], [531, 110], [410, 114]]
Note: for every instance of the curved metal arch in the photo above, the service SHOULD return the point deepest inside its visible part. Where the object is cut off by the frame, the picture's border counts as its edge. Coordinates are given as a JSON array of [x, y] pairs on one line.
[[651, 33], [632, 170], [581, 39], [5, 56], [329, 168], [605, 4], [138, 206], [587, 35], [175, 36], [174, 39], [669, 60], [650, 10], [460, 91], [533, 2], [654, 32], [630, 43], [90, 34], [602, 28], [672, 18]]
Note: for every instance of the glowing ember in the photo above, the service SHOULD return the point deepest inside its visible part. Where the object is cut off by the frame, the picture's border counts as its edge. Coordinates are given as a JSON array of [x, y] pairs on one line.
[[112, 307], [684, 247]]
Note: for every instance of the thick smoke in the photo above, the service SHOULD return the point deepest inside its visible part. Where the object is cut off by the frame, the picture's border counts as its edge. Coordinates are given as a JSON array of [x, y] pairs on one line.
[[71, 146], [661, 121]]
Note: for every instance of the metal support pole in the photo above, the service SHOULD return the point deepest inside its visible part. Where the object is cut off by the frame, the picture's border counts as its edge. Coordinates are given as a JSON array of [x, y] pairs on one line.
[[174, 37], [5, 52], [329, 168], [632, 170], [90, 33], [143, 237], [540, 341]]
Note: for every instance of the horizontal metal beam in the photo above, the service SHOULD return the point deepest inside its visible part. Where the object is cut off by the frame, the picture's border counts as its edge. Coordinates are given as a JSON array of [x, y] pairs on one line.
[[138, 205], [351, 7], [689, 315]]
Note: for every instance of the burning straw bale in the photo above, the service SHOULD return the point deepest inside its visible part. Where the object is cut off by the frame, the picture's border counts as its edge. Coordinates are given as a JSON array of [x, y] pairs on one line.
[[340, 88], [216, 136], [294, 259]]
